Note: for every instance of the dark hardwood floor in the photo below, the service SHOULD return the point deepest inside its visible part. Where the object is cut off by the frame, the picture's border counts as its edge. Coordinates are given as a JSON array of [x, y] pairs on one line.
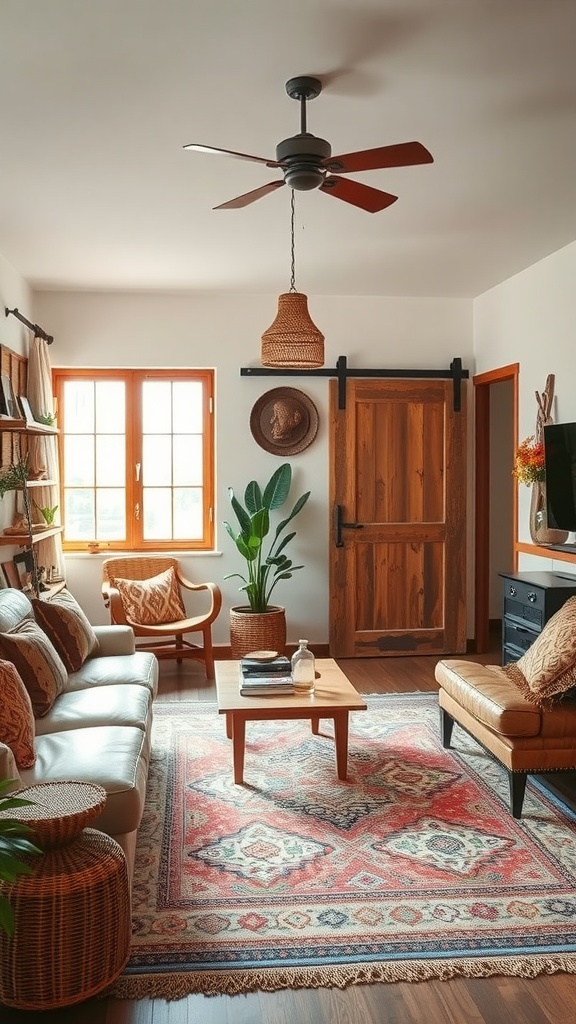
[[541, 1000]]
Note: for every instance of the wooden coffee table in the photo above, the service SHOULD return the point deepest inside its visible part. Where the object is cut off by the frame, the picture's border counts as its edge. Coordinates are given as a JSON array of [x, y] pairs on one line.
[[334, 697]]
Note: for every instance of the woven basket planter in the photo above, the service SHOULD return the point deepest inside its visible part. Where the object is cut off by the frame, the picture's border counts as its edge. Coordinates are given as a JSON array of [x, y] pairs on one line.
[[257, 631]]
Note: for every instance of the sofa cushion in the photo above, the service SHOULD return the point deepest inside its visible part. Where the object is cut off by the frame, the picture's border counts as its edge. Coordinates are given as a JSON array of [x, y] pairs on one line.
[[115, 757], [548, 669], [140, 668], [39, 664], [14, 606], [484, 691], [117, 704], [154, 601], [16, 716], [66, 625]]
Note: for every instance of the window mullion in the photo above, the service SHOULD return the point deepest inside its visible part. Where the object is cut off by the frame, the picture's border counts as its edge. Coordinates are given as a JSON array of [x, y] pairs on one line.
[[133, 457]]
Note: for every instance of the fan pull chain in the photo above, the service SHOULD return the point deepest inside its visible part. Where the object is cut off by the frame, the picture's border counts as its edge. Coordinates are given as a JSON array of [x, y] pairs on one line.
[[293, 262]]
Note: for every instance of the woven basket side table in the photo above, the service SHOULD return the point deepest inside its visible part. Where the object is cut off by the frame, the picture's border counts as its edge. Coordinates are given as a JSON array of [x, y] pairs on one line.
[[72, 918]]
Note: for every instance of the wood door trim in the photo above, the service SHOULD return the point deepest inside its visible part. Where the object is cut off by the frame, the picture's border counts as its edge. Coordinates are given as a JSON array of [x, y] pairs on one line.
[[482, 383]]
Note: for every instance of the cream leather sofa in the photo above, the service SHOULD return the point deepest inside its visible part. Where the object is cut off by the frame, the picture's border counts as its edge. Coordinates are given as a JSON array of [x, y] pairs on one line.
[[98, 729]]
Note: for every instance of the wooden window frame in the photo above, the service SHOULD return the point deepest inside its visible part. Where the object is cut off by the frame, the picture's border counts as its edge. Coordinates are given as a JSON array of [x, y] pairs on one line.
[[132, 379]]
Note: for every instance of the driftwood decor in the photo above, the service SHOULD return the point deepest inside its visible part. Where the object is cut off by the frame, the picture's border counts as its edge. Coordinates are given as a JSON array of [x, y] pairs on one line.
[[539, 530]]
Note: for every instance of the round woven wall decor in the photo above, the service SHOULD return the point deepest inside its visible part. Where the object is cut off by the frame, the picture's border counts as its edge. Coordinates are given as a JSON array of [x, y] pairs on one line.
[[284, 421]]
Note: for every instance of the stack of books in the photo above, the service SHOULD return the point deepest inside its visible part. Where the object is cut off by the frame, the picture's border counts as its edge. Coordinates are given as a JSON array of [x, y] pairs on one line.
[[265, 678]]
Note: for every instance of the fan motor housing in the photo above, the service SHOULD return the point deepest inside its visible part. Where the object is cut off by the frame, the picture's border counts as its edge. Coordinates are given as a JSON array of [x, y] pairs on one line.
[[301, 158]]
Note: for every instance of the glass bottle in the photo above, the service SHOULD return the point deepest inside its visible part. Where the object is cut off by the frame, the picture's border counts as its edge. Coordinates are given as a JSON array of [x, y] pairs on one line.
[[303, 673]]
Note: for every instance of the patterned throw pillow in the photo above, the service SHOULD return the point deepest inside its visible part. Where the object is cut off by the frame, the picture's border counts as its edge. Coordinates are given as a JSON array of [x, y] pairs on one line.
[[16, 716], [548, 669], [67, 627], [151, 602], [39, 665]]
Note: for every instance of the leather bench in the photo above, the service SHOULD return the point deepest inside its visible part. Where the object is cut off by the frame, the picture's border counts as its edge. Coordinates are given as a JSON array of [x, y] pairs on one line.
[[525, 737]]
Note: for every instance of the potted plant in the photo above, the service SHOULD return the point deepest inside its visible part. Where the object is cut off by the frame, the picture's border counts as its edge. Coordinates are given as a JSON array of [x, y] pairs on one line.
[[261, 625], [48, 512], [14, 845], [15, 478]]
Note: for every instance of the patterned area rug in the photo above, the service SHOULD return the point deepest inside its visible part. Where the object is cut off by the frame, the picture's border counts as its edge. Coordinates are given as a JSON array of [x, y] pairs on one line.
[[412, 869]]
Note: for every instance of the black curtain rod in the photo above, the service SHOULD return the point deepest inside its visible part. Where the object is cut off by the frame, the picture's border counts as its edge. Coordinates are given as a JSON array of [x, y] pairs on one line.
[[38, 332]]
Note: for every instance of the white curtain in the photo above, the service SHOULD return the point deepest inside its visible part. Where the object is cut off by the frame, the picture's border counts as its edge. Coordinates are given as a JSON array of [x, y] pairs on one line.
[[43, 451]]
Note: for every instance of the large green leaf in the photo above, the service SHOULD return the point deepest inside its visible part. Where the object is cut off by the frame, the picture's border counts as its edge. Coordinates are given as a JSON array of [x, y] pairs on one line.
[[253, 497], [260, 523], [241, 513], [278, 486]]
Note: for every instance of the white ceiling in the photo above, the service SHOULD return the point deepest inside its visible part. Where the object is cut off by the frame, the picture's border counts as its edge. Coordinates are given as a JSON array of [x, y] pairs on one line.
[[98, 98]]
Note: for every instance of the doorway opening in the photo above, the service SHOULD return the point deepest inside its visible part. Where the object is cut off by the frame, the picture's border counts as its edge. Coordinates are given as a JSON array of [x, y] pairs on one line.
[[495, 495]]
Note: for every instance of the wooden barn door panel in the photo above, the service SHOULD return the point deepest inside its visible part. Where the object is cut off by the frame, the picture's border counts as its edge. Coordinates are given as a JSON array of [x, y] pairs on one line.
[[397, 475]]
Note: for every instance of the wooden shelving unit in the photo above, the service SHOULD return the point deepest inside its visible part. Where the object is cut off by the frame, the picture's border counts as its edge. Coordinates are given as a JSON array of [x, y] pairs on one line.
[[555, 553], [22, 539], [20, 426]]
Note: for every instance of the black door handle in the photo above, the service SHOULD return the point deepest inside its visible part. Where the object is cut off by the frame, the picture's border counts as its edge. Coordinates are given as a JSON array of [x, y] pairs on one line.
[[339, 525]]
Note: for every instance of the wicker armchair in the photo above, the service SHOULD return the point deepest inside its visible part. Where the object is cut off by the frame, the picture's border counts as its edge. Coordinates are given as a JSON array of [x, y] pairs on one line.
[[164, 639]]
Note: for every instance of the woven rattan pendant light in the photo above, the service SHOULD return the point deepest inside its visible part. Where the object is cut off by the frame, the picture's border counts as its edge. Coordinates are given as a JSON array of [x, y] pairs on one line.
[[292, 340]]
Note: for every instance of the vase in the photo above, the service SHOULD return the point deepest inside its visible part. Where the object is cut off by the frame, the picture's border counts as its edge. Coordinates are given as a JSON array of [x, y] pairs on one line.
[[257, 631], [540, 532]]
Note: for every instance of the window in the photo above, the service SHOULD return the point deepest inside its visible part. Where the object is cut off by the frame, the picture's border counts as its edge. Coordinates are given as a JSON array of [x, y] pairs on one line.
[[137, 458]]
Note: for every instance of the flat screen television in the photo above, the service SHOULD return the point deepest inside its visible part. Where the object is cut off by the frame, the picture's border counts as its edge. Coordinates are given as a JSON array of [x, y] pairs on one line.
[[560, 467]]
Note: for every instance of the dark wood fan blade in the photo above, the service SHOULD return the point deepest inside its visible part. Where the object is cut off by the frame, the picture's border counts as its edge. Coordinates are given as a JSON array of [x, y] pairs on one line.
[[230, 152], [402, 155], [367, 198], [249, 197]]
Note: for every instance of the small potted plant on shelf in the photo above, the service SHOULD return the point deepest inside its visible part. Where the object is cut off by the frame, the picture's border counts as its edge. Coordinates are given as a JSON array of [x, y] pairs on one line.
[[15, 478], [47, 512], [14, 845], [261, 625]]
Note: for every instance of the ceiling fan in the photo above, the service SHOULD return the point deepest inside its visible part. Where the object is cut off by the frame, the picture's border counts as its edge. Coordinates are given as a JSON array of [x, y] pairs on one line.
[[307, 162]]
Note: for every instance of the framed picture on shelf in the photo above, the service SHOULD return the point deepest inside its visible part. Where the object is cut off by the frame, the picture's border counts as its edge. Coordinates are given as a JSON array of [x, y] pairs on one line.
[[8, 403], [23, 563], [11, 575], [26, 410]]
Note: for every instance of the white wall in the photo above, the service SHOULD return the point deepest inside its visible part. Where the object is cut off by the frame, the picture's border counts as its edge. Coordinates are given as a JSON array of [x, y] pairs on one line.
[[223, 331], [531, 319], [15, 293]]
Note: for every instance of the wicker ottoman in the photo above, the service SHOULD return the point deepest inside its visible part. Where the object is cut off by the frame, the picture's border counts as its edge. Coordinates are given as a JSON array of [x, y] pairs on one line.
[[72, 914]]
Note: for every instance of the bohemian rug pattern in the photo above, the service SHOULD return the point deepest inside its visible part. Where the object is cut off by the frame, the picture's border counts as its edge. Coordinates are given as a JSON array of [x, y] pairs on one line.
[[411, 869]]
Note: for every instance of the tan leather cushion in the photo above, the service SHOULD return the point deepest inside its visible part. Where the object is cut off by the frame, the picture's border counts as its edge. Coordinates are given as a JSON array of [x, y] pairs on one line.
[[548, 669], [39, 664], [115, 757], [140, 668], [487, 694], [154, 601], [66, 625], [117, 704], [16, 716]]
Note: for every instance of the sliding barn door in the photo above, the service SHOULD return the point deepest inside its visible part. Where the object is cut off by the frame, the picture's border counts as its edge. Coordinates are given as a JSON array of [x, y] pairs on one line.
[[398, 500]]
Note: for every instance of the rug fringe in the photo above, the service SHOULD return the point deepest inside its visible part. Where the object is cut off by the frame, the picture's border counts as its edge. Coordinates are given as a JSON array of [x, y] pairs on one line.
[[180, 984]]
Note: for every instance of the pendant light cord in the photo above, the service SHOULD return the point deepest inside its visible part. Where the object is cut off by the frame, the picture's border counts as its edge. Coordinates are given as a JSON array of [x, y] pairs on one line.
[[292, 257]]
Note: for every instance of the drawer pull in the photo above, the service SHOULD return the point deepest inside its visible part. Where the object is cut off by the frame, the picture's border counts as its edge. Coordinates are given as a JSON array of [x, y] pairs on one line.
[[532, 597], [513, 591]]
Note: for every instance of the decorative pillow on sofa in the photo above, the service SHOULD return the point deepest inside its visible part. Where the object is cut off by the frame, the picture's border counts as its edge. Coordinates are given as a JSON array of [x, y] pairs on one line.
[[548, 669], [151, 602], [38, 663], [16, 716], [67, 627]]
